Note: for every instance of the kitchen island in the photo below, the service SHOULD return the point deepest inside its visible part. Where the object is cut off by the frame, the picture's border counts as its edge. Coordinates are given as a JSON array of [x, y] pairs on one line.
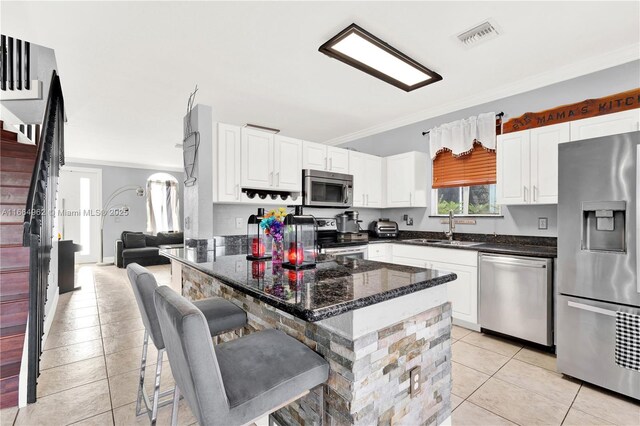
[[377, 324]]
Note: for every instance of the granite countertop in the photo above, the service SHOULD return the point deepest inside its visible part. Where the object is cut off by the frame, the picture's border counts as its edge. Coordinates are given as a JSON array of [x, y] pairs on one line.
[[335, 286], [517, 246]]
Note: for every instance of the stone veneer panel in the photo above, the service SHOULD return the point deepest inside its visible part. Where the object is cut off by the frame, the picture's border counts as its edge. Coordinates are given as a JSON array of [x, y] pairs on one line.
[[369, 376]]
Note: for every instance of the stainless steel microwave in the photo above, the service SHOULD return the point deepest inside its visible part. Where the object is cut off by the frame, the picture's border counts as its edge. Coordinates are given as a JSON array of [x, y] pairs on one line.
[[326, 189]]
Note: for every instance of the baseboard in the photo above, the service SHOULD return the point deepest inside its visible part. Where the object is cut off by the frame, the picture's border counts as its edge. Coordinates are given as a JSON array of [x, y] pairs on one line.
[[48, 321], [466, 324], [110, 259]]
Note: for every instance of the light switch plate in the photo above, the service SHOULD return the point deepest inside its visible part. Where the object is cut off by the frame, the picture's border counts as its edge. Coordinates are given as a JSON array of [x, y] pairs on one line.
[[543, 223]]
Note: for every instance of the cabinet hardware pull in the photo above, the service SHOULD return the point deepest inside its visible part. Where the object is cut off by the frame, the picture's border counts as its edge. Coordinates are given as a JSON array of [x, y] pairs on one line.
[[591, 308], [330, 163], [278, 179], [326, 163], [367, 199], [271, 178], [410, 198], [535, 193], [363, 202], [524, 193]]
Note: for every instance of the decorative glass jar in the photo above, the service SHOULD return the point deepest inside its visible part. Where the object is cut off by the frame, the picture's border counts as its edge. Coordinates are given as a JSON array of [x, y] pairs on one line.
[[300, 244], [258, 242]]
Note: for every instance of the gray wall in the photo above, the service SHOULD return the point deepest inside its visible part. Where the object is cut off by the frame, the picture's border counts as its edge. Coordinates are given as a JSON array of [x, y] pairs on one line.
[[116, 177], [517, 220]]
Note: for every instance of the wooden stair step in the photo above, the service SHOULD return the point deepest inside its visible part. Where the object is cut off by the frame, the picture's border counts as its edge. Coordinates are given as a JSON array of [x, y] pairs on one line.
[[11, 233], [12, 283], [11, 331], [14, 297], [13, 258], [15, 178], [12, 164], [9, 392], [14, 195], [6, 134], [14, 312], [17, 150], [11, 214]]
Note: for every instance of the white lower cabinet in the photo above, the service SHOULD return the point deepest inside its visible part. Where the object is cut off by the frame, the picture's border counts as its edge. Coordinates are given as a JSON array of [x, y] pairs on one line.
[[462, 292], [380, 252]]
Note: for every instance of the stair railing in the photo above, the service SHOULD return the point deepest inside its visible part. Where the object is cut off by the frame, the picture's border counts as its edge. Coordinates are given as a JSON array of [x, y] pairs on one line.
[[38, 224], [15, 64]]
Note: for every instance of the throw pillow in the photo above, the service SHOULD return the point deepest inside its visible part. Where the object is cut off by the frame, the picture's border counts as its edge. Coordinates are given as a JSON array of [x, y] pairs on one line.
[[134, 241]]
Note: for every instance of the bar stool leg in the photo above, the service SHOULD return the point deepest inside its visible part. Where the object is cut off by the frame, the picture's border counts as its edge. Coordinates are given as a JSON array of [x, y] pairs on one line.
[[156, 389], [143, 366], [174, 410]]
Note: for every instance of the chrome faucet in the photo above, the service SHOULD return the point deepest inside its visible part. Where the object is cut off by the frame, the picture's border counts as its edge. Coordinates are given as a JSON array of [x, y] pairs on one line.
[[452, 226]]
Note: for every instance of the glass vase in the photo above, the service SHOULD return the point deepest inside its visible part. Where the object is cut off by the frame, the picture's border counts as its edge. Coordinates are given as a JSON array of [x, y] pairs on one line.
[[277, 253]]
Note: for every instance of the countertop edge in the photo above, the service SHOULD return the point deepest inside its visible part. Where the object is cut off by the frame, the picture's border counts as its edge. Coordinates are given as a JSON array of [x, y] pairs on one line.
[[531, 251]]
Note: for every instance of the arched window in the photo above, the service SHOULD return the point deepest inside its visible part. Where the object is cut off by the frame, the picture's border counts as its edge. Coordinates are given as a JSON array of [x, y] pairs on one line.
[[163, 206]]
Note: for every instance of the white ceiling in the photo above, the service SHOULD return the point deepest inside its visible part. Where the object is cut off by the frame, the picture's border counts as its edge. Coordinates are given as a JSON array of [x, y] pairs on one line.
[[127, 68]]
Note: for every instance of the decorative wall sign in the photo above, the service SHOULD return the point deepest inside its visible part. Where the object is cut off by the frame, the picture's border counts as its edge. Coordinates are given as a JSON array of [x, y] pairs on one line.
[[589, 108]]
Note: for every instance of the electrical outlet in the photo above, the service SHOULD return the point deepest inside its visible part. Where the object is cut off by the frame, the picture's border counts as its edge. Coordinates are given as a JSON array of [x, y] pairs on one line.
[[543, 223], [414, 381], [410, 221], [240, 222]]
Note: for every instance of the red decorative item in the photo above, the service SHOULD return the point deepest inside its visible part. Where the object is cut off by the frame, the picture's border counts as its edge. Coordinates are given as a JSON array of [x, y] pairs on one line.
[[296, 254], [258, 248], [258, 269], [295, 276]]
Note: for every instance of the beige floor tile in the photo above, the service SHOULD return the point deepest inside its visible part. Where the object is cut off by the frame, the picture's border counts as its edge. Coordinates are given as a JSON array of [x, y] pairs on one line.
[[539, 358], [126, 415], [61, 325], [518, 405], [104, 419], [466, 380], [455, 401], [580, 418], [458, 332], [8, 415], [71, 375], [79, 303], [124, 341], [477, 358], [122, 327], [129, 359], [68, 406], [492, 343], [124, 387], [72, 337], [607, 406], [77, 313], [71, 353], [117, 316], [537, 379], [470, 414], [119, 306]]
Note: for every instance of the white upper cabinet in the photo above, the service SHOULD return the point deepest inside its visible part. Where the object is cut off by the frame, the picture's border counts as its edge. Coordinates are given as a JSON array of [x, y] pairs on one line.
[[367, 179], [337, 160], [604, 125], [228, 164], [512, 168], [406, 180], [544, 162], [257, 159], [288, 164], [314, 156], [317, 156]]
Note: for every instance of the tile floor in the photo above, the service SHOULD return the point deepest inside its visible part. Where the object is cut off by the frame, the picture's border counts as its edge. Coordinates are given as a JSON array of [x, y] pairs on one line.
[[92, 354]]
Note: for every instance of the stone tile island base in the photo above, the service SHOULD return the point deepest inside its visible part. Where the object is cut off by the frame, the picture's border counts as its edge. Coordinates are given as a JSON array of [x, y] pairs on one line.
[[369, 375]]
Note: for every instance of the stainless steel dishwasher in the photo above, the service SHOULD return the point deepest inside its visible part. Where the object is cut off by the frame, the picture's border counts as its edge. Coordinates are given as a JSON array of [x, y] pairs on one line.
[[516, 296]]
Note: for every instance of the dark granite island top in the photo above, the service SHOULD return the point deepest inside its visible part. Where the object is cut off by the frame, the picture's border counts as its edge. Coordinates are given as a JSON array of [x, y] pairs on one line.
[[334, 287]]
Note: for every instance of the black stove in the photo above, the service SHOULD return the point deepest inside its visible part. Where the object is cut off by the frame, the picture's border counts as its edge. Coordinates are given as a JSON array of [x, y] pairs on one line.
[[329, 237]]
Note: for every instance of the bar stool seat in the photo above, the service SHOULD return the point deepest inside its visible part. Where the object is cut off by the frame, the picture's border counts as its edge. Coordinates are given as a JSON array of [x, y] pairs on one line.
[[222, 316]]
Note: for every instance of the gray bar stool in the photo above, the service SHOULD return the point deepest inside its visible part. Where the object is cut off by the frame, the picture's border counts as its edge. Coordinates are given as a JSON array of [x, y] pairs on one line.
[[221, 316], [236, 382]]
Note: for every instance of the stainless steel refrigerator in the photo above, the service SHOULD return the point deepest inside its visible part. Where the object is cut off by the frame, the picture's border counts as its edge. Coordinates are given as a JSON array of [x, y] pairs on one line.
[[599, 185]]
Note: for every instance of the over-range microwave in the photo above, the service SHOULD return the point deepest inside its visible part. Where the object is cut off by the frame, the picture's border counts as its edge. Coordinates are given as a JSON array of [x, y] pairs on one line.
[[326, 189]]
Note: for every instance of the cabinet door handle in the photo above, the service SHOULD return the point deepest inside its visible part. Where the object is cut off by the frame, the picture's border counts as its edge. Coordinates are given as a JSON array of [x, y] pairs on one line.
[[524, 193], [590, 308], [271, 178], [363, 202], [367, 199], [326, 163], [535, 193], [410, 199], [330, 163], [278, 179]]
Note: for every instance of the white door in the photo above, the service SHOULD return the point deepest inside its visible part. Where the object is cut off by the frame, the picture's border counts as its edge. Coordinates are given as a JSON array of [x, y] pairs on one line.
[[605, 125], [257, 159], [288, 164], [513, 174], [544, 161], [314, 156], [338, 160], [79, 200], [373, 166], [463, 291], [229, 163], [399, 181], [358, 168]]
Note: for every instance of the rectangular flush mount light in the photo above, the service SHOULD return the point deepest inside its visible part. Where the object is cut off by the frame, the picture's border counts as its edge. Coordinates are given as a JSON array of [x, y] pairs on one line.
[[364, 51]]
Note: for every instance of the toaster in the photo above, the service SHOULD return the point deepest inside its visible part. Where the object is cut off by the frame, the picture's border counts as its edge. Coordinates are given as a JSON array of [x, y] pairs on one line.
[[384, 228]]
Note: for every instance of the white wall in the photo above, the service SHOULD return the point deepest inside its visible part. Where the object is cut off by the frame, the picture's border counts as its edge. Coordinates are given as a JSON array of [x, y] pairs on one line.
[[517, 220]]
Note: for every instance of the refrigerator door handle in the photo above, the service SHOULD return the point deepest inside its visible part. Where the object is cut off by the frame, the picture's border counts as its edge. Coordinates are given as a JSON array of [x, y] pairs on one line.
[[589, 308]]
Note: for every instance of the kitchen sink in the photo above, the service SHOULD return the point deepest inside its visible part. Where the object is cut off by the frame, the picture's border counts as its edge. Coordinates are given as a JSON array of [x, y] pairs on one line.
[[444, 242]]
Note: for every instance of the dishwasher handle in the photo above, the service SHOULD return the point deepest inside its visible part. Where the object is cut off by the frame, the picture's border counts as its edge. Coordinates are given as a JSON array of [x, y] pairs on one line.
[[515, 261]]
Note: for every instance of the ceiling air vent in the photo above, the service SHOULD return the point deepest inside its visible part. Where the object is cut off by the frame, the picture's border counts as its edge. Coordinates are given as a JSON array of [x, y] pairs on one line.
[[479, 34]]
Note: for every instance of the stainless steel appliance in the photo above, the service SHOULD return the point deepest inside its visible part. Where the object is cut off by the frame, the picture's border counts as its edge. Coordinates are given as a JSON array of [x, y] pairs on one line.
[[384, 228], [348, 222], [330, 241], [597, 257], [516, 296], [326, 189]]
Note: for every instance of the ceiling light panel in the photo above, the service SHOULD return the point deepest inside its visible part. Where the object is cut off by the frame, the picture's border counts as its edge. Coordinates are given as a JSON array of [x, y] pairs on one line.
[[362, 50]]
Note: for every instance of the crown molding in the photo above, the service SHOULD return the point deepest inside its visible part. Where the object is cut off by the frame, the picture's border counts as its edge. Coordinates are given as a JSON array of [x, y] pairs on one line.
[[160, 168], [597, 63]]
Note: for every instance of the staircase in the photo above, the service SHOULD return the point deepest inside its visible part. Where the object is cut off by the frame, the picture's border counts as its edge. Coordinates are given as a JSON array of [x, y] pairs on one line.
[[17, 162]]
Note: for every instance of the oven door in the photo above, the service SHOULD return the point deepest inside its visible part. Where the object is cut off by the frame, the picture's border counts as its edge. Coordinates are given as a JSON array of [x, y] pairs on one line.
[[354, 252], [326, 192]]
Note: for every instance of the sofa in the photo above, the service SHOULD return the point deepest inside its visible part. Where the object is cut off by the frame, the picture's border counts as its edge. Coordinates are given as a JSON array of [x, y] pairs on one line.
[[143, 249]]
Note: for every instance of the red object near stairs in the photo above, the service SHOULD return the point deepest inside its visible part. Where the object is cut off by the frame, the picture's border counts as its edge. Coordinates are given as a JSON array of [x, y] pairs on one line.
[[16, 166]]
